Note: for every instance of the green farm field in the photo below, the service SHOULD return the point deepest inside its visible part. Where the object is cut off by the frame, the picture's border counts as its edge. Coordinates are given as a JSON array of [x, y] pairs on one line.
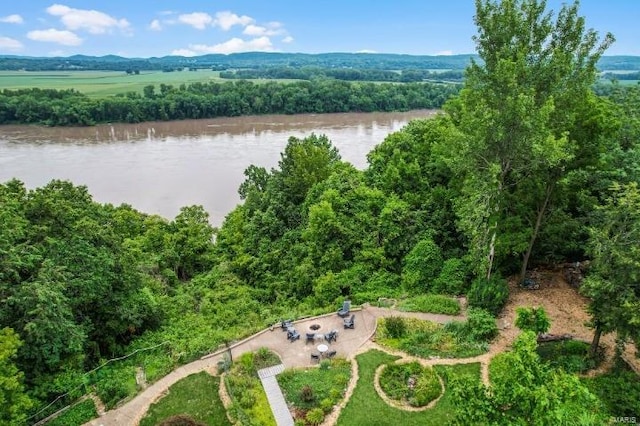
[[101, 83]]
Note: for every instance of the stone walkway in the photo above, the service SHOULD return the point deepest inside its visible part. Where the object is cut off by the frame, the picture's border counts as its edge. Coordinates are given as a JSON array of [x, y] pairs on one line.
[[274, 394], [293, 354]]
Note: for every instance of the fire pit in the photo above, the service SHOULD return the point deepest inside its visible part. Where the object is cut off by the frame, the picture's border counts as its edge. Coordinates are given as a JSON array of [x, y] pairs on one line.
[[314, 327]]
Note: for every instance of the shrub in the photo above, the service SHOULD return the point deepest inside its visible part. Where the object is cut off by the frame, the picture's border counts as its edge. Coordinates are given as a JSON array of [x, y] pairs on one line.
[[395, 326], [79, 414], [326, 405], [306, 394], [325, 364], [315, 416], [452, 278], [489, 294], [247, 399], [481, 325], [533, 319]]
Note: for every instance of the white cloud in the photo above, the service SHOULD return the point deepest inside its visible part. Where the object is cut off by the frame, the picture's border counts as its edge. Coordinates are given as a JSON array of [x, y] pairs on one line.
[[166, 12], [198, 20], [287, 39], [234, 45], [225, 20], [445, 53], [12, 19], [271, 29], [66, 38], [183, 52], [366, 51], [93, 21], [155, 25], [10, 44]]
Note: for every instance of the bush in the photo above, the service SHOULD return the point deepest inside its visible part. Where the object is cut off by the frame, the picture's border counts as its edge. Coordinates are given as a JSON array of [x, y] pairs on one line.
[[570, 355], [79, 414], [533, 319], [326, 405], [452, 278], [422, 265], [432, 303], [306, 394], [481, 325], [315, 416], [619, 390], [489, 294], [395, 326]]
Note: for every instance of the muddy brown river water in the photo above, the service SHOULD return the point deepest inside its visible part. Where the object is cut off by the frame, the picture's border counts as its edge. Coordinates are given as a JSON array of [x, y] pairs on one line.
[[159, 167]]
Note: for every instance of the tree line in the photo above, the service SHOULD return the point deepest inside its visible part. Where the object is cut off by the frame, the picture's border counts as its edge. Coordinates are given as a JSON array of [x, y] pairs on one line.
[[347, 74], [208, 100]]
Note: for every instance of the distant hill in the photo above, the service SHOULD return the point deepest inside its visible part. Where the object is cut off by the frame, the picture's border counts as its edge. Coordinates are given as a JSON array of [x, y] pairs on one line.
[[378, 61]]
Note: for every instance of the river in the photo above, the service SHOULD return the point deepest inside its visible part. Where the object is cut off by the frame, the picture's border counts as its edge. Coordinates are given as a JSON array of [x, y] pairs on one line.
[[159, 167]]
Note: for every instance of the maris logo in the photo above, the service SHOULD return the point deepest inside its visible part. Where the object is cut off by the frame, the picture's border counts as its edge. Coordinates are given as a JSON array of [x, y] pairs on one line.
[[630, 420]]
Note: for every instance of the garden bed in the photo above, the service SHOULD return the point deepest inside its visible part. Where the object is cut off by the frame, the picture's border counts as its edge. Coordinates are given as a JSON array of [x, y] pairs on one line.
[[313, 392]]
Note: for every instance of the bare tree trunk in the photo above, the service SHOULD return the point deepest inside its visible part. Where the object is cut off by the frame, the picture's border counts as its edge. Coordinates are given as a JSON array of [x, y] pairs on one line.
[[536, 229], [492, 252], [593, 350]]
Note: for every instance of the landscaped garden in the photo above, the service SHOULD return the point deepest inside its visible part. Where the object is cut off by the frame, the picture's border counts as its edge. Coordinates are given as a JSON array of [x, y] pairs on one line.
[[429, 339], [249, 404], [365, 401], [314, 392], [410, 384]]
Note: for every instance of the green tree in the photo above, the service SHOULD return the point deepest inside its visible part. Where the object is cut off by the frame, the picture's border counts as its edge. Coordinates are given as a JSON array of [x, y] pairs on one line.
[[516, 113], [524, 391], [612, 283], [14, 402]]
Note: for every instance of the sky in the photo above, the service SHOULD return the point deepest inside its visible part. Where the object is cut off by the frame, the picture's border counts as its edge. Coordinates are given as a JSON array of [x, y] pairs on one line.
[[135, 28]]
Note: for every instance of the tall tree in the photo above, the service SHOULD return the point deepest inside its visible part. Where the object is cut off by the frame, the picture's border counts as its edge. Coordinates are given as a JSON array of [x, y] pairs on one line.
[[614, 283], [14, 403], [516, 112]]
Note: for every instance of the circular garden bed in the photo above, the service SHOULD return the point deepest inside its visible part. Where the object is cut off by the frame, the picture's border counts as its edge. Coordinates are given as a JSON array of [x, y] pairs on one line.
[[410, 384]]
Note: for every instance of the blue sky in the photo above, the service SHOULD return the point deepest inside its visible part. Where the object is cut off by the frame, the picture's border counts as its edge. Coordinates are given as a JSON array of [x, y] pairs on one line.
[[135, 28]]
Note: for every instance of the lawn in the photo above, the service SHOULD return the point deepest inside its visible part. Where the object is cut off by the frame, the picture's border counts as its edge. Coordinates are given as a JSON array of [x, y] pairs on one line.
[[196, 396], [365, 401]]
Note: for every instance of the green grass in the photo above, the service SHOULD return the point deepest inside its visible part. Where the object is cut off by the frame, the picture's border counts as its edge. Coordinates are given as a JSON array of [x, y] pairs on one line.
[[432, 303], [365, 401], [328, 383], [77, 415], [196, 396]]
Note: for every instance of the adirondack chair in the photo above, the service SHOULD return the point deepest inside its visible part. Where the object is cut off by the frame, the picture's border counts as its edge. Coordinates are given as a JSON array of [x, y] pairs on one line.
[[350, 323], [344, 311], [293, 335], [331, 354], [331, 336], [285, 324], [311, 337], [315, 357]]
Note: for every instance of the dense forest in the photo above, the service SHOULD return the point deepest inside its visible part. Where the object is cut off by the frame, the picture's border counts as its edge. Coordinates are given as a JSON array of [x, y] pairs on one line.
[[208, 100], [525, 166]]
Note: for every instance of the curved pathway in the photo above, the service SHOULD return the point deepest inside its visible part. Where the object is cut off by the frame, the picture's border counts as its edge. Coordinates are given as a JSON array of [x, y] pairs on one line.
[[292, 354]]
